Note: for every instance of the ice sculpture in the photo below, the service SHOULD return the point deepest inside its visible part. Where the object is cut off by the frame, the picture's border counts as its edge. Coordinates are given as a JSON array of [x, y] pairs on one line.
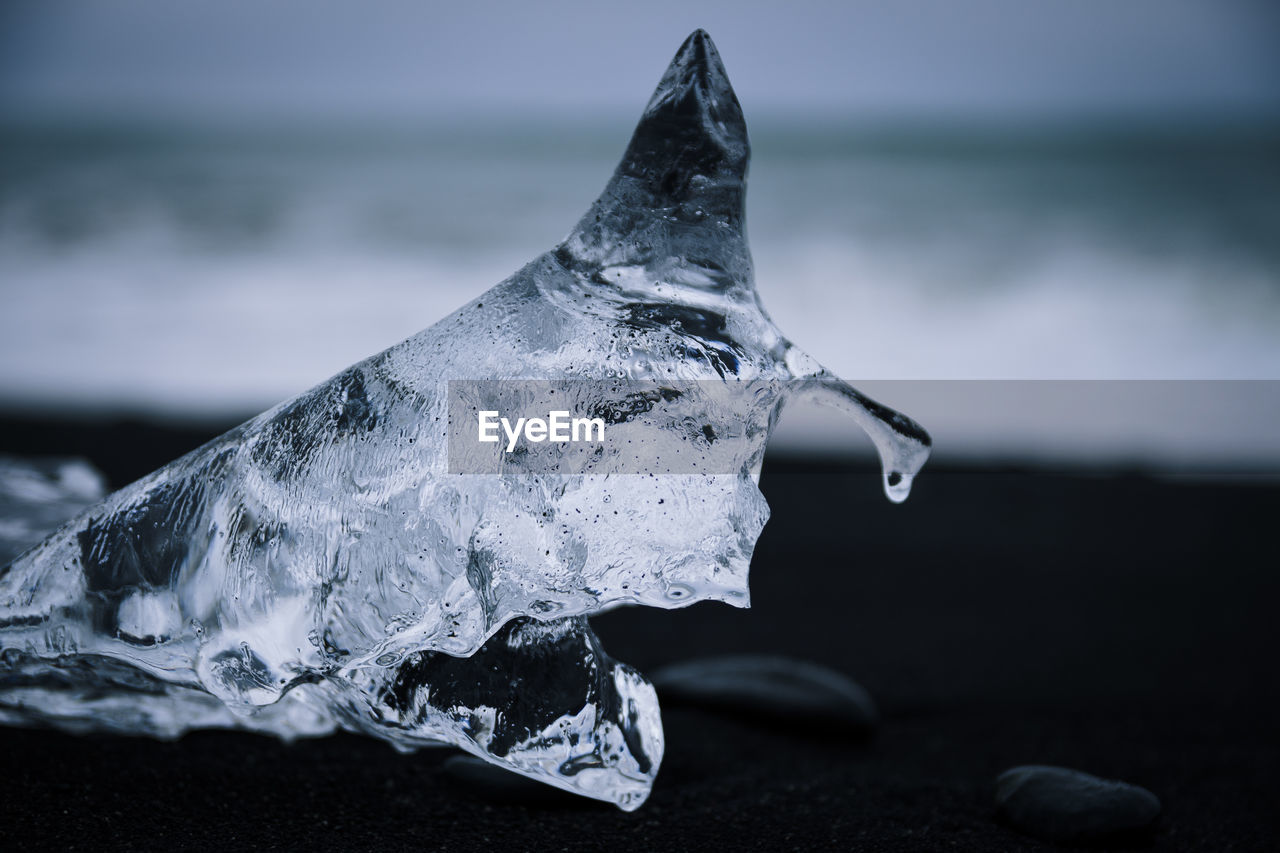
[[322, 567]]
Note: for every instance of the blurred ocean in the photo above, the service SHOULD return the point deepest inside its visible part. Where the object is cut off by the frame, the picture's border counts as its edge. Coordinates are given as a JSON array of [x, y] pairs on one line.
[[204, 270]]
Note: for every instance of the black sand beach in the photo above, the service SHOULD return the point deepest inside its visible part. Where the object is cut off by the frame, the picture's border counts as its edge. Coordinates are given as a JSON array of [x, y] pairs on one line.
[[1109, 621]]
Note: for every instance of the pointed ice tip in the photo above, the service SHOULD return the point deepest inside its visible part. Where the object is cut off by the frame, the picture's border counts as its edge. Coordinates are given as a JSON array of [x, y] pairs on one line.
[[697, 52], [695, 92], [690, 148], [686, 163]]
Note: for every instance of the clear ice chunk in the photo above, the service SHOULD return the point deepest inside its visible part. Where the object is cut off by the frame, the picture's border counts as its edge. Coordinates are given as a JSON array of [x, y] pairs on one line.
[[39, 495], [320, 567]]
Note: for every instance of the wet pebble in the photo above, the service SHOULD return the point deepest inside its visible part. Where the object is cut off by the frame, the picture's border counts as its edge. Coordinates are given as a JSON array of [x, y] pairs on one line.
[[1060, 804], [768, 686], [503, 786]]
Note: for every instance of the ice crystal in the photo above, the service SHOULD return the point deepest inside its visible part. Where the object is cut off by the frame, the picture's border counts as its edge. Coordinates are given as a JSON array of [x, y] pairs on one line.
[[322, 566]]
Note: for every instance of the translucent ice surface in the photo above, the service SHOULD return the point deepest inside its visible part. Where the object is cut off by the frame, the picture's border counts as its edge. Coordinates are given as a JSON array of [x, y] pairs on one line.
[[324, 566]]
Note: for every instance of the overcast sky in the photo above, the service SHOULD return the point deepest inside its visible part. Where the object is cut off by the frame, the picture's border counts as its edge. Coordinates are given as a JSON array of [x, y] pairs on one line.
[[402, 58]]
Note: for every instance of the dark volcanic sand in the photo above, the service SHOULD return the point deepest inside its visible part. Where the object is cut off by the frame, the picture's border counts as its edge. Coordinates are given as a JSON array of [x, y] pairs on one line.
[[1116, 623]]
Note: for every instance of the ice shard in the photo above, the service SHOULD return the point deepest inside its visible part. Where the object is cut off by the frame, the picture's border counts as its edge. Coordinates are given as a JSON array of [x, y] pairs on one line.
[[326, 566]]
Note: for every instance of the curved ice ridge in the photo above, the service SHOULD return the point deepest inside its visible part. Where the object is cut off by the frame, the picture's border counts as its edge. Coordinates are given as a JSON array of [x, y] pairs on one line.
[[318, 567]]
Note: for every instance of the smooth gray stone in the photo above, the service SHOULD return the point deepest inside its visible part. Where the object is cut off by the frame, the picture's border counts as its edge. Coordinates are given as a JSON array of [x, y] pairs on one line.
[[1060, 804], [768, 686], [502, 786]]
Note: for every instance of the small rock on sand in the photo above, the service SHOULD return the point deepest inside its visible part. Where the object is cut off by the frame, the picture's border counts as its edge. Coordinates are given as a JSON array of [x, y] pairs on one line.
[[769, 686], [504, 786], [1060, 804]]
